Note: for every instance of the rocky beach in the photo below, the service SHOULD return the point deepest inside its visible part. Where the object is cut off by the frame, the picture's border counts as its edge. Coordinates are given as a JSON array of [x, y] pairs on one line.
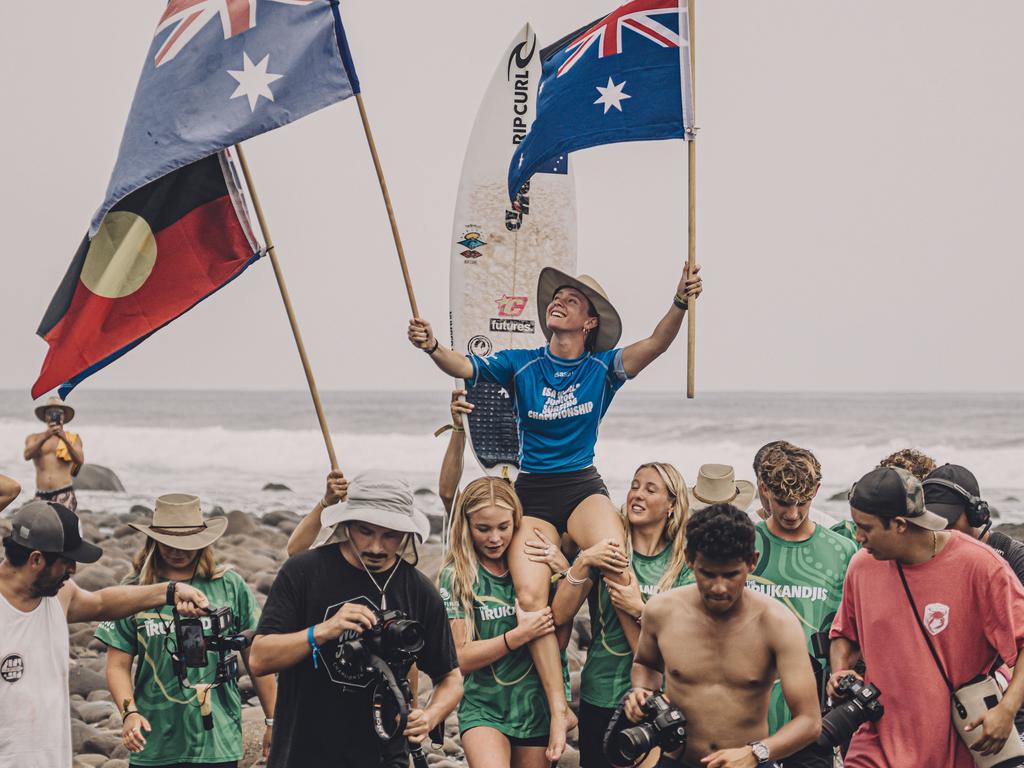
[[253, 547]]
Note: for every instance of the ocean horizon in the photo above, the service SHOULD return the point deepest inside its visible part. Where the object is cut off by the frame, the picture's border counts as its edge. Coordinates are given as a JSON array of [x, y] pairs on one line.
[[225, 445]]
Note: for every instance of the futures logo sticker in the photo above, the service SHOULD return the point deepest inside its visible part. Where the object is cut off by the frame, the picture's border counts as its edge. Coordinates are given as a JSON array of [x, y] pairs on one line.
[[12, 668], [936, 617]]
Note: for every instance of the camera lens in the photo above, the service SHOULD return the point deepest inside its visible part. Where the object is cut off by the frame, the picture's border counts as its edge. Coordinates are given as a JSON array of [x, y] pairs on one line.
[[636, 741]]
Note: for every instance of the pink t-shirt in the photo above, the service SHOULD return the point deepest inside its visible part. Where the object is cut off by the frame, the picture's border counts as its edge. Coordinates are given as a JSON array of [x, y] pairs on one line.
[[973, 606]]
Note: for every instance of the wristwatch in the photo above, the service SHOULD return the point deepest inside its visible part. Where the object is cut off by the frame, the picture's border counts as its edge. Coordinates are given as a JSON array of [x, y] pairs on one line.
[[171, 588], [760, 752]]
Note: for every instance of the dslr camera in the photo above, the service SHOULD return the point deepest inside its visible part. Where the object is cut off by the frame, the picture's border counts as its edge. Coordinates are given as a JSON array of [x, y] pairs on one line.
[[385, 652], [860, 705], [663, 726], [193, 644], [394, 637]]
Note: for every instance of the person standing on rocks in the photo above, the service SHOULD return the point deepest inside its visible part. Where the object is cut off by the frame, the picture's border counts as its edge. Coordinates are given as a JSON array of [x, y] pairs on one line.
[[162, 721], [9, 490], [37, 600], [503, 716], [56, 454], [332, 594], [802, 564], [718, 647]]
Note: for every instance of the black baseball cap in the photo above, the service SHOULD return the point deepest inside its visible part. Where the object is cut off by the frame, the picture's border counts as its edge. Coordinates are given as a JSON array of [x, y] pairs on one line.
[[52, 528], [946, 501], [893, 492]]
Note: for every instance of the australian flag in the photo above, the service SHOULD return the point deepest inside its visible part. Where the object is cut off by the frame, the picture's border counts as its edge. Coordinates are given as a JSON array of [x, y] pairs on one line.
[[174, 227], [626, 77]]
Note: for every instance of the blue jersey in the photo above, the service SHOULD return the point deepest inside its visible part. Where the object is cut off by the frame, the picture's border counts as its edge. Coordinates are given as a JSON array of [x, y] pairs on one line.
[[558, 403]]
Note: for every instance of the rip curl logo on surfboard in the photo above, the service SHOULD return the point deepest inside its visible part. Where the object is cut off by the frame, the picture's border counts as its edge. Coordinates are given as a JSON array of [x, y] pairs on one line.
[[472, 243]]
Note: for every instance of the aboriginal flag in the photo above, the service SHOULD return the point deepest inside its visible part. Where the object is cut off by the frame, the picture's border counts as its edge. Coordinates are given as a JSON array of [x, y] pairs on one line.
[[157, 253]]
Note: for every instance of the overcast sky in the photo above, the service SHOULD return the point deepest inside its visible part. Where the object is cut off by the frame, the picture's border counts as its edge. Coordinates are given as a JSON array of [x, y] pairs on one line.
[[859, 195]]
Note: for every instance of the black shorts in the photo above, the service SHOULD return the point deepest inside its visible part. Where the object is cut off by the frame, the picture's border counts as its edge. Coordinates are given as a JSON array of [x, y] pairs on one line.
[[554, 497], [593, 724]]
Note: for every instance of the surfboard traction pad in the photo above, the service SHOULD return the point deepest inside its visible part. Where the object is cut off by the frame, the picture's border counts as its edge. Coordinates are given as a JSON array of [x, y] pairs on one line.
[[492, 426]]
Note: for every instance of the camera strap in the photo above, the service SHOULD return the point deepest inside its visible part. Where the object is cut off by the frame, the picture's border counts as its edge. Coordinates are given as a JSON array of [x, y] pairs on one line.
[[961, 710]]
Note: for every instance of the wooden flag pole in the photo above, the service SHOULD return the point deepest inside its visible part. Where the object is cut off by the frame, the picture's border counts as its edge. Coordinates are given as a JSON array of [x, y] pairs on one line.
[[313, 391], [387, 203], [691, 249]]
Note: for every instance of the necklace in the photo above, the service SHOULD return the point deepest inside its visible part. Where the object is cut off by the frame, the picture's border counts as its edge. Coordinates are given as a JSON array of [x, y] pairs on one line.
[[935, 543]]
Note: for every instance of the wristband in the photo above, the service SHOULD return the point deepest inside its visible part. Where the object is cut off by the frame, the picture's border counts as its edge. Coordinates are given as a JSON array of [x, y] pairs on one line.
[[680, 302], [570, 579], [268, 721], [323, 503], [433, 349], [171, 587], [312, 644], [557, 577], [504, 637]]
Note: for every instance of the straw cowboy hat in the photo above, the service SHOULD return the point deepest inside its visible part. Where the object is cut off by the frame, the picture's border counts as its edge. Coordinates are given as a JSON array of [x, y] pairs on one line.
[[178, 522], [717, 484], [610, 327], [379, 498], [55, 402]]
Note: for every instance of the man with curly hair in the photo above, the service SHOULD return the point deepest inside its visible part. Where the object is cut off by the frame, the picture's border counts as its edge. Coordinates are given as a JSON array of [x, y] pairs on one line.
[[802, 565], [762, 513], [718, 648]]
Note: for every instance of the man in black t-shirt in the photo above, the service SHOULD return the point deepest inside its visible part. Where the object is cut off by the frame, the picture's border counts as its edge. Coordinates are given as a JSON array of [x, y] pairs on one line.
[[328, 595]]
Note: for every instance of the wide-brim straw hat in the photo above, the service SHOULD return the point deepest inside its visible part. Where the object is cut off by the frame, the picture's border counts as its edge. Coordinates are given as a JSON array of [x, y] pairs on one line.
[[380, 498], [55, 402], [717, 484], [610, 327], [178, 522]]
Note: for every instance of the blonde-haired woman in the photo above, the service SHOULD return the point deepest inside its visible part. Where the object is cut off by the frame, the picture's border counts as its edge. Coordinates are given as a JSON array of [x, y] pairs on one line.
[[162, 723], [654, 517], [503, 716]]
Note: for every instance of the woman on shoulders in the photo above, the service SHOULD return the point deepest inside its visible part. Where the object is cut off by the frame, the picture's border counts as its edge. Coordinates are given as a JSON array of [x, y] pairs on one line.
[[560, 392]]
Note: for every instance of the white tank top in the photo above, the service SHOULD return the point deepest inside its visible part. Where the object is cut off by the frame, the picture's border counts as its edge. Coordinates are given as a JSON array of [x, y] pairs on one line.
[[35, 725]]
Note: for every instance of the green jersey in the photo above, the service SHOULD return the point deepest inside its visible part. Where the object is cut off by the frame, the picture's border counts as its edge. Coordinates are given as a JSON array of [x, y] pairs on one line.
[[847, 529], [606, 672], [507, 694], [178, 735], [807, 576]]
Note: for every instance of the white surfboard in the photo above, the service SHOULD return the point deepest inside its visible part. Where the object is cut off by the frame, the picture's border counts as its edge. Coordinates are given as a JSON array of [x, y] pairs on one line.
[[499, 249]]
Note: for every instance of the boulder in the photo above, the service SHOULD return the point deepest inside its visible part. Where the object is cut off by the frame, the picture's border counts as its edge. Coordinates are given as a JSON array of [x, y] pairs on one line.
[[101, 694], [279, 516], [1013, 530], [91, 760], [94, 577], [263, 582], [118, 763], [840, 496], [138, 513], [92, 712], [276, 487], [93, 477], [240, 522], [83, 681]]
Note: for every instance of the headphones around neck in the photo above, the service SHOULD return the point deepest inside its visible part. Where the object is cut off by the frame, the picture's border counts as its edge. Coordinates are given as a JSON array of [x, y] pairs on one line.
[[978, 513]]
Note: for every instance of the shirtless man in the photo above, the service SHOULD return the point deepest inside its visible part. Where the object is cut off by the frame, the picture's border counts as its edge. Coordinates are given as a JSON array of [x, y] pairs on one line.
[[57, 455], [723, 646]]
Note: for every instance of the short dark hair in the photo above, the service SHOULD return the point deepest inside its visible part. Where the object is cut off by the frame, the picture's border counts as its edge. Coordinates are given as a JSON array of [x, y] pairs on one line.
[[17, 555], [721, 533]]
